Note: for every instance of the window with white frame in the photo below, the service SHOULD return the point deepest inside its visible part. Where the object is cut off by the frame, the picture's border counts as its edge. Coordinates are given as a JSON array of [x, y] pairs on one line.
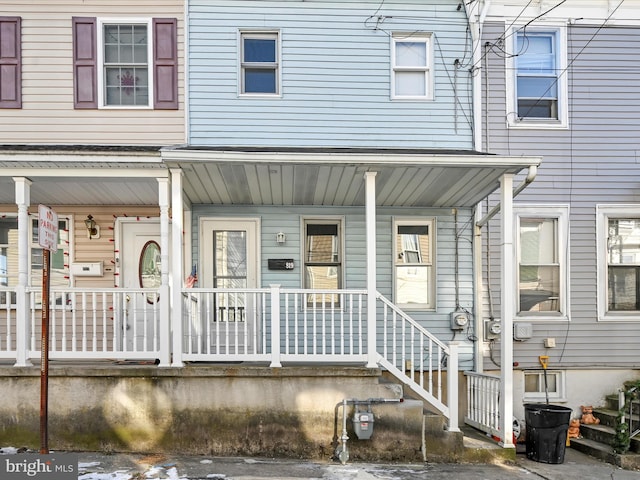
[[541, 253], [539, 82], [619, 262], [323, 260], [411, 57], [59, 270], [126, 57], [414, 272], [259, 63], [537, 388]]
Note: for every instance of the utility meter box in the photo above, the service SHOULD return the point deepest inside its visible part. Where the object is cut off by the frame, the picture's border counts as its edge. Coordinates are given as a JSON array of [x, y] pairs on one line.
[[363, 424]]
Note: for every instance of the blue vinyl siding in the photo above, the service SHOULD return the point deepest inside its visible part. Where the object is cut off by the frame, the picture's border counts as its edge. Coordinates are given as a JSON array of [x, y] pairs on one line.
[[336, 79], [288, 220]]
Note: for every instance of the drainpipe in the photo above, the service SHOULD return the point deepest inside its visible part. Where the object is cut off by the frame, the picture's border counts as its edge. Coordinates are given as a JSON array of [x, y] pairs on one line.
[[531, 176], [476, 38], [477, 259]]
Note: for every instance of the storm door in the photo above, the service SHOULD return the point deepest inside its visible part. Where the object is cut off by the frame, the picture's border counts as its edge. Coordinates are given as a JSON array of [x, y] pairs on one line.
[[229, 265]]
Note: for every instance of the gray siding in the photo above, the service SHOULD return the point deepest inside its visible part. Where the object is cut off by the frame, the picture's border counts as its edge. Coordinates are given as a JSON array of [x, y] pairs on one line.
[[594, 161], [335, 76]]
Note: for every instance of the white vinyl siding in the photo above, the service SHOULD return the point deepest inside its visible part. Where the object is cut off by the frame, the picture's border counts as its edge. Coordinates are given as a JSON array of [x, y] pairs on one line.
[[47, 115]]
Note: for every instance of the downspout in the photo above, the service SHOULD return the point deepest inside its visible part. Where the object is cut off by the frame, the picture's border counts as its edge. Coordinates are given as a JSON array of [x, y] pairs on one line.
[[477, 262], [475, 27], [531, 176]]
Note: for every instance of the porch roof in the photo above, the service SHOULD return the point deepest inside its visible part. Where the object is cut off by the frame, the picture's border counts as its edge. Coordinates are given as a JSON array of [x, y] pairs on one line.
[[116, 175], [334, 176]]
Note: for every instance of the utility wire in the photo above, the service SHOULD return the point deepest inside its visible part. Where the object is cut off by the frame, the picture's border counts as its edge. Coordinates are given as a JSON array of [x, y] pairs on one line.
[[564, 71]]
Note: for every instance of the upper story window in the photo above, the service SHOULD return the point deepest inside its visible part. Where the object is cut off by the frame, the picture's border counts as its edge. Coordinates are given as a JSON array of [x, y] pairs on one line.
[[538, 80], [125, 63], [541, 252], [619, 262], [10, 62], [259, 63], [414, 272], [412, 72]]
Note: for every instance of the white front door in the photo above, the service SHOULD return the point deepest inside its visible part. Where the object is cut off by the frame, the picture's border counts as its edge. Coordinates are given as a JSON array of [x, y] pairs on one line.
[[139, 248], [229, 260]]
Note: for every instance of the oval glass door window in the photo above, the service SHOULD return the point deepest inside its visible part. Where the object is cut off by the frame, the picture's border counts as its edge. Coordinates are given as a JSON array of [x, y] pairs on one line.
[[149, 268]]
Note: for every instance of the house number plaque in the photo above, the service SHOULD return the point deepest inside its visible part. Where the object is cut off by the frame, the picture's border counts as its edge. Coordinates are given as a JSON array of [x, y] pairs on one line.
[[281, 264]]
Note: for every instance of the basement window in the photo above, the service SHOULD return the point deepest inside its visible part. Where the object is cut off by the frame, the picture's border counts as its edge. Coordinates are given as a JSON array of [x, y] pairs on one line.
[[534, 386]]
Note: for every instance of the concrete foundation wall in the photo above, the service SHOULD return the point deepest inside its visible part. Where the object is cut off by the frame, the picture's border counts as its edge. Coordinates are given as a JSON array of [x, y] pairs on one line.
[[211, 410]]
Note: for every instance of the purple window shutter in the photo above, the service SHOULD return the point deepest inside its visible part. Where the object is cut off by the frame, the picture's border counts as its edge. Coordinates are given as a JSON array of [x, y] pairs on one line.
[[165, 63], [85, 63], [10, 63]]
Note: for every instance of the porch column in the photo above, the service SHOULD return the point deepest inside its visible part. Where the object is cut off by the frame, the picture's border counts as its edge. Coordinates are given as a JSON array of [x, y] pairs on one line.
[[177, 266], [165, 340], [507, 295], [370, 214], [23, 199]]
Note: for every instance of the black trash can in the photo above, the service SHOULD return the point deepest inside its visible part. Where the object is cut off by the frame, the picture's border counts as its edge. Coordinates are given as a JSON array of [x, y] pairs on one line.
[[547, 427]]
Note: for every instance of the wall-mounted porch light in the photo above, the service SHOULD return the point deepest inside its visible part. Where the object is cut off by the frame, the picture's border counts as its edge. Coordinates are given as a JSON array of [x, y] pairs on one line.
[[93, 230], [280, 238]]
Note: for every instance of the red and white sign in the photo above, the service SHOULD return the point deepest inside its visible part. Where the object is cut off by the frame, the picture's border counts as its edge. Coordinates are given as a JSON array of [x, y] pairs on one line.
[[47, 228]]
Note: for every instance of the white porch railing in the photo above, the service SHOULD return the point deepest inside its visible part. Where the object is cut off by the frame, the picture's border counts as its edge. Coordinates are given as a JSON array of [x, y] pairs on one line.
[[272, 325], [111, 323], [8, 323], [483, 402], [418, 358]]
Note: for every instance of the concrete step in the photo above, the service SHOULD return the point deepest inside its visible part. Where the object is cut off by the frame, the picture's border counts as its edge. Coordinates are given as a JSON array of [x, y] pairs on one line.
[[628, 461], [605, 434]]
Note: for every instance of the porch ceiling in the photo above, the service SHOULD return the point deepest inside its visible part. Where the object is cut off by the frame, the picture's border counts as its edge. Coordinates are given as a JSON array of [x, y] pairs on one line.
[[336, 177], [260, 176]]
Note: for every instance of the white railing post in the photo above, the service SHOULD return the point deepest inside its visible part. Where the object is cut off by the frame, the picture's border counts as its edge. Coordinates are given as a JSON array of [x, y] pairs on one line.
[[370, 214], [275, 326], [177, 268], [23, 198], [452, 386], [506, 305], [165, 329]]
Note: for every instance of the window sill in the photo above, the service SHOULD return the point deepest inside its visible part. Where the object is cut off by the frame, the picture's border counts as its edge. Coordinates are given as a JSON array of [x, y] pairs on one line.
[[621, 317], [537, 398], [538, 124]]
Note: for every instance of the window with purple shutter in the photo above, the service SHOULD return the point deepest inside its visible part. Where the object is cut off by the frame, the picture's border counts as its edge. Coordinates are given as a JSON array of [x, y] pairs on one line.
[[113, 56], [85, 63], [165, 63], [10, 63]]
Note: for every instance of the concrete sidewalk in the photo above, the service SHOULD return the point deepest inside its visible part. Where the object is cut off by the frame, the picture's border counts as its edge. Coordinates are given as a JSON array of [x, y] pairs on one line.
[[98, 466]]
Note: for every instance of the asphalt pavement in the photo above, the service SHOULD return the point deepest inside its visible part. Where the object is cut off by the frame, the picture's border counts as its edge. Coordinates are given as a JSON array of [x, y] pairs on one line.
[[100, 466]]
